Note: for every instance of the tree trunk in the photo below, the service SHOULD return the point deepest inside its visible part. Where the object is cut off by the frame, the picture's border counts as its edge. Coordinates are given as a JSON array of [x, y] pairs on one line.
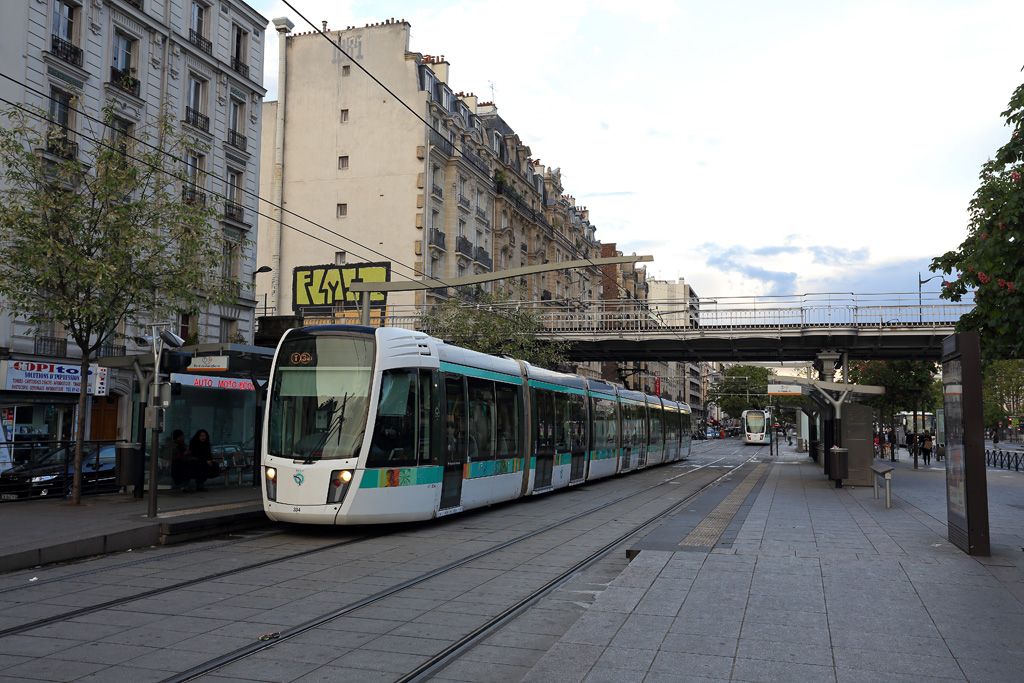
[[83, 388]]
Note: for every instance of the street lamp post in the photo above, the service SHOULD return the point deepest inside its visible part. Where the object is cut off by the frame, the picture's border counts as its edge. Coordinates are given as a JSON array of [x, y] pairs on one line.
[[920, 301], [155, 411]]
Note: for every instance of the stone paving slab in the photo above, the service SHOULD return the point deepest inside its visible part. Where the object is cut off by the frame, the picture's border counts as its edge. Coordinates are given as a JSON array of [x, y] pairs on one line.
[[812, 584]]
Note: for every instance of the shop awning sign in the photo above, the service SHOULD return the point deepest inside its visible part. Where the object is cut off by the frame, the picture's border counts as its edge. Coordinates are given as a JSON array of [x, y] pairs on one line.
[[29, 375], [212, 382], [208, 364]]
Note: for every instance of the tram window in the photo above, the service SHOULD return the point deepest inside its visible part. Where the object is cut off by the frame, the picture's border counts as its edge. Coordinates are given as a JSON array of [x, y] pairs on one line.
[[562, 421], [426, 404], [655, 431], [394, 430], [507, 420], [455, 420], [605, 424], [481, 420], [577, 423], [544, 410]]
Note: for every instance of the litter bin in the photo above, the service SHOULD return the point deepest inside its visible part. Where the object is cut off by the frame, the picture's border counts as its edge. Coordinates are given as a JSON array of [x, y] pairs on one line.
[[839, 465], [128, 463]]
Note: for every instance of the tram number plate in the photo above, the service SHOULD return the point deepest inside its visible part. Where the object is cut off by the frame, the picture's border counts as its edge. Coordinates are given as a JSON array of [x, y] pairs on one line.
[[8, 496], [296, 509]]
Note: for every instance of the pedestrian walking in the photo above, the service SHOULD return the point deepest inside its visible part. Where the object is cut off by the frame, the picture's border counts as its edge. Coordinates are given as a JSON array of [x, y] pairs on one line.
[[926, 448], [893, 446]]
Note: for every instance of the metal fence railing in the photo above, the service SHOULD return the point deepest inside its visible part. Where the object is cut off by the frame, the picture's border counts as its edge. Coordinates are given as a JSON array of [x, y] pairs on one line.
[[1004, 460]]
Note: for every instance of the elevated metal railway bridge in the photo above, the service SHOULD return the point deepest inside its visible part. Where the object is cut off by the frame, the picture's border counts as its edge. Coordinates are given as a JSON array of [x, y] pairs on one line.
[[766, 329]]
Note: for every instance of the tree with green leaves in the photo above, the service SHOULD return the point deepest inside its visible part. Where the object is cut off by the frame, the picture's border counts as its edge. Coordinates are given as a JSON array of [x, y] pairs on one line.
[[909, 385], [99, 234], [494, 324], [1003, 391], [990, 261], [741, 387]]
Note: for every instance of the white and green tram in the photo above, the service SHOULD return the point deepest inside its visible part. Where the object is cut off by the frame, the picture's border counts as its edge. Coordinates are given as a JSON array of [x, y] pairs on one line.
[[371, 425]]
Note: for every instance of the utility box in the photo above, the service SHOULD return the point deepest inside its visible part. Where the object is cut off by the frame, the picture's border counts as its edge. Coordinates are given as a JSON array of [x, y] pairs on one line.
[[127, 463]]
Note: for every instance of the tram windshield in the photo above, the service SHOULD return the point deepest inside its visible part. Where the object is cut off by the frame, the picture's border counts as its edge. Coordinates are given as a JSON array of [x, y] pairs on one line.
[[319, 396], [755, 422]]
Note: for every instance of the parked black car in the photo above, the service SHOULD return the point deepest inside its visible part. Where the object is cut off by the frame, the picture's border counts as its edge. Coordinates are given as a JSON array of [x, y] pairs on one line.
[[52, 473]]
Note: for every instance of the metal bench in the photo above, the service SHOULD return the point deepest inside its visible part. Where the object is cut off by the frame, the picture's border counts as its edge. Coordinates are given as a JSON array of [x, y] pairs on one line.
[[885, 473]]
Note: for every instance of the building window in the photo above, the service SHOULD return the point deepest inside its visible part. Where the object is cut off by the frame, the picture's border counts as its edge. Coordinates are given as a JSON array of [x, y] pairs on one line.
[[231, 260], [342, 210], [462, 228], [197, 27], [342, 163], [236, 115], [435, 216], [120, 133], [59, 138], [239, 51], [188, 327], [228, 330], [344, 115], [195, 108], [195, 164], [346, 70], [62, 40], [122, 68], [339, 258]]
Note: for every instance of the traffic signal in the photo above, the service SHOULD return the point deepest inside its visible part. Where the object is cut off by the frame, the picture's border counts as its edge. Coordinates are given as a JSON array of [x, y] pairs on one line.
[[1009, 422]]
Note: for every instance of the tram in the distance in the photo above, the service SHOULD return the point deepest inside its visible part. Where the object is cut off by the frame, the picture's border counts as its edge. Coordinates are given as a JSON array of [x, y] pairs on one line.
[[755, 426], [367, 425]]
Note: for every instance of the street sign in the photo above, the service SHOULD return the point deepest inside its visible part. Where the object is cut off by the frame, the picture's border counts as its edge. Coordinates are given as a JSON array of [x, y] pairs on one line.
[[784, 390]]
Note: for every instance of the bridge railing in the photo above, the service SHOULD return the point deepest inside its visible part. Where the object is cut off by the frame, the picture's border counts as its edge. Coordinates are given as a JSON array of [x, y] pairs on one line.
[[624, 316]]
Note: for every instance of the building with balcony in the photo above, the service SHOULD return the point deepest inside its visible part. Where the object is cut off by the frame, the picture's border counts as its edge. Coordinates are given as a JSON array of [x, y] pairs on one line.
[[675, 303], [200, 61], [460, 196]]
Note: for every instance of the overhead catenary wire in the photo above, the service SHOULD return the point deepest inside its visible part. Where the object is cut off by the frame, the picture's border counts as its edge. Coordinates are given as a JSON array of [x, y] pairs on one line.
[[458, 146], [249, 193]]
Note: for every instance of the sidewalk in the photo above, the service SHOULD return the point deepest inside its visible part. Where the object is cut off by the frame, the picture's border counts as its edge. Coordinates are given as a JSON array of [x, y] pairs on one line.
[[812, 583], [44, 531]]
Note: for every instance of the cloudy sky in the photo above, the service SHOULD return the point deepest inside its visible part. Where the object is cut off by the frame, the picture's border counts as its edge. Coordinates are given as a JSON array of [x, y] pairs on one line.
[[751, 147]]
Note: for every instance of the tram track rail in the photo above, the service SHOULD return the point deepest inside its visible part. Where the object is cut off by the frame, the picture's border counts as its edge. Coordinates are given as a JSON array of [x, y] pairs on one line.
[[123, 600], [490, 625]]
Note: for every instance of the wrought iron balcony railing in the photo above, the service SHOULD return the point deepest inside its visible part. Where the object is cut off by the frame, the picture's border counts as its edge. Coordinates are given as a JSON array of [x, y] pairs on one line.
[[59, 143], [199, 41], [481, 256], [109, 349], [65, 50], [125, 81], [436, 239], [50, 346], [237, 140], [234, 211], [463, 201], [240, 66], [464, 246], [437, 190], [192, 195], [197, 119]]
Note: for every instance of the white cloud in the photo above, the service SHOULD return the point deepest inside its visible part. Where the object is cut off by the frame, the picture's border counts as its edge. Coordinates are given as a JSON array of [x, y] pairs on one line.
[[855, 125]]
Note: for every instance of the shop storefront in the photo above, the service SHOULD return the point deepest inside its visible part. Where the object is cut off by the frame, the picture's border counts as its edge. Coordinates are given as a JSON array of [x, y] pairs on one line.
[[213, 387], [38, 405]]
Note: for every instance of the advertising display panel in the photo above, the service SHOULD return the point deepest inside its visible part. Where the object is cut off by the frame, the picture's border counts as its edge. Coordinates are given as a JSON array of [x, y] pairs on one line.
[[966, 484]]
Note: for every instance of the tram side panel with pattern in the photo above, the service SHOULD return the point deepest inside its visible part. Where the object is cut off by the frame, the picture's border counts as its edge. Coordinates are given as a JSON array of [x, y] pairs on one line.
[[380, 425]]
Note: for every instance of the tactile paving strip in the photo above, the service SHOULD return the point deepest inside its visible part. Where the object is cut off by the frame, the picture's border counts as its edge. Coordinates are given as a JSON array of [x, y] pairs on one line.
[[707, 533]]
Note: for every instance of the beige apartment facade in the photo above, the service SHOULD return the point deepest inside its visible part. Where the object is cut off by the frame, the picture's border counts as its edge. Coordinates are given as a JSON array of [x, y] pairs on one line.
[[446, 192]]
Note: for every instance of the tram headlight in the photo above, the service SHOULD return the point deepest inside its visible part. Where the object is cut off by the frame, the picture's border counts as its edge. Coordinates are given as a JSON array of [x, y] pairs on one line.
[[271, 483], [338, 486]]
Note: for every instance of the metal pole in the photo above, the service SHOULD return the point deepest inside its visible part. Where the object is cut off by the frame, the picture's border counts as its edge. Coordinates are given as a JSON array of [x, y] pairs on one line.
[[364, 316], [154, 431], [920, 301]]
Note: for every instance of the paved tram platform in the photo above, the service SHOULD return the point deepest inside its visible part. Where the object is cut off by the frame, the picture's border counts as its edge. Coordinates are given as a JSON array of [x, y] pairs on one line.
[[38, 532], [795, 581]]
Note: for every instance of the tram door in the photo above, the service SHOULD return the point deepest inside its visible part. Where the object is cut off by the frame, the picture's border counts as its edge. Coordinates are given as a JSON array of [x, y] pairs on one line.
[[455, 441]]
